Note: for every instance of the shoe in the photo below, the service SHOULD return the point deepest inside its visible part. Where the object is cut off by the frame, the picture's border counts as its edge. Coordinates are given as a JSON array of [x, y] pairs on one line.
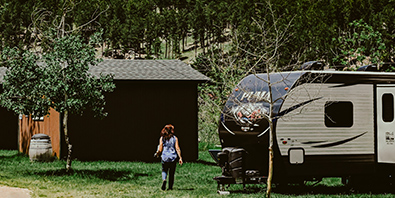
[[164, 185]]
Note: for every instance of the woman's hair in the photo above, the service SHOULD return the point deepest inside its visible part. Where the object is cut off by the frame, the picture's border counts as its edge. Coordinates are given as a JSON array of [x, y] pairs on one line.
[[167, 131]]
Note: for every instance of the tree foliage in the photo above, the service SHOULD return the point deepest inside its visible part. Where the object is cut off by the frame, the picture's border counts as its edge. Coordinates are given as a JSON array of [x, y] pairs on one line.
[[361, 46], [24, 89], [143, 26], [69, 86], [58, 78]]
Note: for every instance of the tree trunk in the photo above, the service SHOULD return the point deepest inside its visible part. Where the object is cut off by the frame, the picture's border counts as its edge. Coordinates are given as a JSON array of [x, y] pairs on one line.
[[271, 158], [171, 48], [271, 136], [196, 46], [166, 48], [202, 43], [183, 44], [67, 139]]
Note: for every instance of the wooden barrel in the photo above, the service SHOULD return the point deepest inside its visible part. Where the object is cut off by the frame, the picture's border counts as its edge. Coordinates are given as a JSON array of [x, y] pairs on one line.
[[40, 148]]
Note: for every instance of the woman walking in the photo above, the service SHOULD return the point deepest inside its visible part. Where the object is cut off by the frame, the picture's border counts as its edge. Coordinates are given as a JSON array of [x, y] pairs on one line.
[[170, 150]]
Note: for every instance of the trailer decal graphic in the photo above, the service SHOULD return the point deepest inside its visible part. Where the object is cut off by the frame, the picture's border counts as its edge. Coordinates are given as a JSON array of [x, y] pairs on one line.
[[313, 142], [339, 142], [389, 137], [286, 111]]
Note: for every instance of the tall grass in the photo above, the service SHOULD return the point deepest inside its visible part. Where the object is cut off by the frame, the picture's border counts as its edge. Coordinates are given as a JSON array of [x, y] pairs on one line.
[[139, 179]]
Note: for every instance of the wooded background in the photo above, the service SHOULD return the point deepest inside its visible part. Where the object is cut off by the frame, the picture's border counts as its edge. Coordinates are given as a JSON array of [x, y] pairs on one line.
[[163, 28], [220, 38]]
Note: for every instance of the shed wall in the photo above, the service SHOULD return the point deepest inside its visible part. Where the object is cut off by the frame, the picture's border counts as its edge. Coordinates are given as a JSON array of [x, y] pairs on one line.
[[137, 111], [8, 130]]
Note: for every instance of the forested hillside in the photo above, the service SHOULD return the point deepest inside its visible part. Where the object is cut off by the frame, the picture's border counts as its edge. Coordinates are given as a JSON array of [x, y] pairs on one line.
[[160, 27], [225, 37]]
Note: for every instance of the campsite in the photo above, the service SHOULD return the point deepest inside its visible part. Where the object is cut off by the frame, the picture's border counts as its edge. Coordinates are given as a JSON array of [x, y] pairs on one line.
[[250, 98]]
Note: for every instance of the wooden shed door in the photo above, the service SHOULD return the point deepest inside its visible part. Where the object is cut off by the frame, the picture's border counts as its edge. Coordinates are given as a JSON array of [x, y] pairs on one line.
[[385, 123]]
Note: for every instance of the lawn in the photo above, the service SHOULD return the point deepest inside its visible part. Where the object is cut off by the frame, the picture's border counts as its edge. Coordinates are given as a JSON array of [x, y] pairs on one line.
[[139, 179]]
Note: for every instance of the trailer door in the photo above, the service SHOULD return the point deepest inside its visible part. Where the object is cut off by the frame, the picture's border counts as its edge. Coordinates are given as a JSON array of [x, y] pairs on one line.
[[385, 124]]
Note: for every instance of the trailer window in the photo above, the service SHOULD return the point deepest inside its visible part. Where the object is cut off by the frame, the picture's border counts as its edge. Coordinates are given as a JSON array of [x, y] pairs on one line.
[[388, 107], [339, 114]]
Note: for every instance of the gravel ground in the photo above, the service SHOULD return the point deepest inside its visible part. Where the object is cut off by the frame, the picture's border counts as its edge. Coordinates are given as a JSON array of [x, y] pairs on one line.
[[10, 192]]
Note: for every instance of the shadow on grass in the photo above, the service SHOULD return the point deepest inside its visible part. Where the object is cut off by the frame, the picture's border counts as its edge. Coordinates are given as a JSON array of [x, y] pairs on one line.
[[206, 163], [16, 156], [317, 189], [184, 189], [250, 189], [320, 189], [105, 174], [333, 190]]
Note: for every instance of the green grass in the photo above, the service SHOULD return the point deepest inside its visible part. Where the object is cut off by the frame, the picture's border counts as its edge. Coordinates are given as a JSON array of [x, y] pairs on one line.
[[139, 179]]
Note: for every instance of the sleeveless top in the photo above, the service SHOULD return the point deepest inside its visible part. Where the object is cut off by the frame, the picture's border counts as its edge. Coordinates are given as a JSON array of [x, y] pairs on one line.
[[169, 153]]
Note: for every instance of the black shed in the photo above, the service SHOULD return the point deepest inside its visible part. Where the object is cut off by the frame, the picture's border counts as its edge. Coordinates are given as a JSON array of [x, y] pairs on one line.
[[8, 123], [149, 94]]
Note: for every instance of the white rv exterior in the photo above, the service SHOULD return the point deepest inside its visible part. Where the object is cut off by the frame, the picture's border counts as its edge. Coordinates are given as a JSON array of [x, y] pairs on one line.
[[305, 128], [385, 123], [328, 123]]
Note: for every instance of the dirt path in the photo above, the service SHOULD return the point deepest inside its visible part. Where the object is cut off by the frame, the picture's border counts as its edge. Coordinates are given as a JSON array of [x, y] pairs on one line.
[[11, 192]]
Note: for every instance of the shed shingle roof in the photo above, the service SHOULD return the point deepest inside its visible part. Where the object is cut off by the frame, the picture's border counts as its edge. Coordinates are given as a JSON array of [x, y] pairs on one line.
[[148, 70], [143, 70]]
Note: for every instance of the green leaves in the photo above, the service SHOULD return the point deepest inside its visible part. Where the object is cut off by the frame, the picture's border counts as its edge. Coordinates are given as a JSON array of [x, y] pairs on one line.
[[57, 79], [361, 46], [24, 89], [68, 64]]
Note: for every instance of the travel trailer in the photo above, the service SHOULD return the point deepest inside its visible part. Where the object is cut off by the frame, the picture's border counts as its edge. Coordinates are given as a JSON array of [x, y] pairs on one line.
[[327, 124]]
